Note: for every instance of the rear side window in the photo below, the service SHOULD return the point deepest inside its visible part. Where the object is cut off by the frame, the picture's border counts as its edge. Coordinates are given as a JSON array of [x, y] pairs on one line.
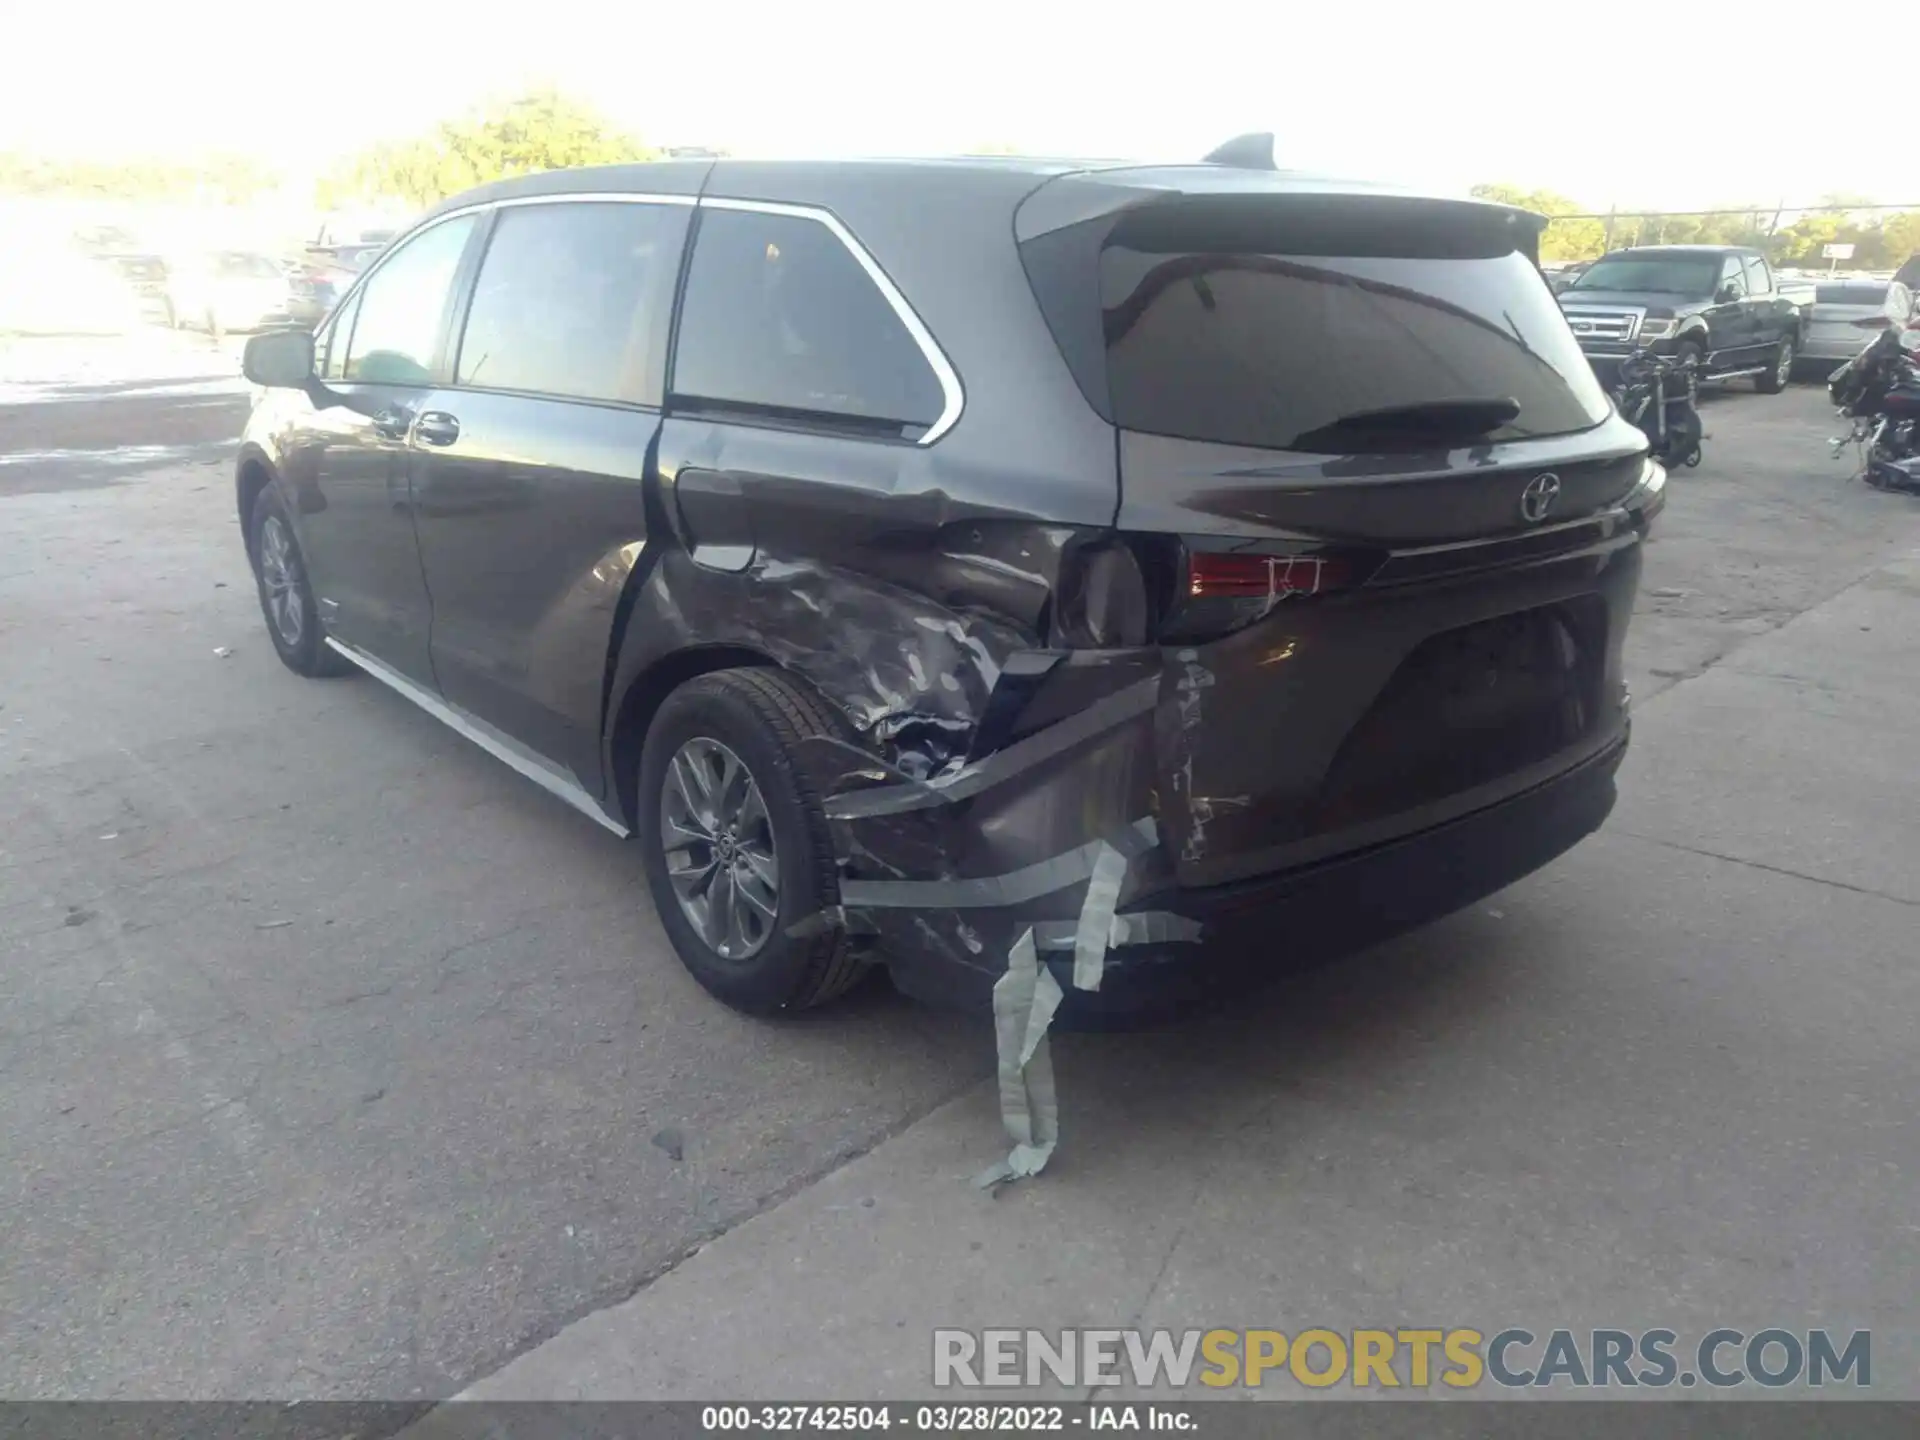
[[572, 300], [1336, 332], [403, 305], [781, 320], [1759, 278]]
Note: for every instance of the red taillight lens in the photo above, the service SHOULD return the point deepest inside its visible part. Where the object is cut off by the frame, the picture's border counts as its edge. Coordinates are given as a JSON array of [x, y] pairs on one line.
[[1215, 576]]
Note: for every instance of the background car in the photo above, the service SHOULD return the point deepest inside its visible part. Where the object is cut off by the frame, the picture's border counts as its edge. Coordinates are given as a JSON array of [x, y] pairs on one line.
[[321, 277], [228, 290], [1561, 276], [1717, 305], [1845, 315]]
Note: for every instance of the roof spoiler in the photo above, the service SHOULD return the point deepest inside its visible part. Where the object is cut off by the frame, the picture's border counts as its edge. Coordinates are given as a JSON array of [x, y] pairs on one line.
[[1245, 152]]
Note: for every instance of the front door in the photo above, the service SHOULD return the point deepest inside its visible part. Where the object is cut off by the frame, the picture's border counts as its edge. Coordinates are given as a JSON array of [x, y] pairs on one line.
[[529, 469], [1730, 318], [350, 473]]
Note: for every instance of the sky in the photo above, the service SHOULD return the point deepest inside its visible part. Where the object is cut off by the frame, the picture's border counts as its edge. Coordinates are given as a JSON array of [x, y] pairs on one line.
[[1548, 96]]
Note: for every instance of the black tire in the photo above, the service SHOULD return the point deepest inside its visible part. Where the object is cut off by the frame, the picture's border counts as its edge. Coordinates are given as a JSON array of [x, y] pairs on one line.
[[1780, 374], [302, 646], [1691, 348], [764, 719]]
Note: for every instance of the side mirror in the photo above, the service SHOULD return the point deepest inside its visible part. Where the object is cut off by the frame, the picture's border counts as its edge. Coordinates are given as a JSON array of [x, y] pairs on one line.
[[1728, 294], [281, 358]]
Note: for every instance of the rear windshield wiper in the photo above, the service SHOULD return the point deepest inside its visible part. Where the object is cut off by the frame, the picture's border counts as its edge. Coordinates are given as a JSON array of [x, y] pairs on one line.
[[1426, 420]]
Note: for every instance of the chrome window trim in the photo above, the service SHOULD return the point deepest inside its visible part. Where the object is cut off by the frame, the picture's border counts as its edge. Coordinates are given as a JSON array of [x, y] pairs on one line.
[[952, 393], [950, 389], [591, 197]]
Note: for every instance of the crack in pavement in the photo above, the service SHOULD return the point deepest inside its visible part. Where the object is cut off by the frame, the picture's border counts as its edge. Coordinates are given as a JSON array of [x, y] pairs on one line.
[[1763, 865]]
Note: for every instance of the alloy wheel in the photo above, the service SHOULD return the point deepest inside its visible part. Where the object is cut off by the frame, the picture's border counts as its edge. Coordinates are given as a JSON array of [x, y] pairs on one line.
[[280, 582], [719, 846], [1783, 372]]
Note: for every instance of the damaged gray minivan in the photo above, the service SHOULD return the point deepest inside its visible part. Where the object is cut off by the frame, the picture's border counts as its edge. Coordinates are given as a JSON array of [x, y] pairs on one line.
[[890, 545]]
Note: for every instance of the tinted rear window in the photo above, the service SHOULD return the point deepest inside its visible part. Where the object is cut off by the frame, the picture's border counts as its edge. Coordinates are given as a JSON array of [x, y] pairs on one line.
[[1874, 294], [1332, 315]]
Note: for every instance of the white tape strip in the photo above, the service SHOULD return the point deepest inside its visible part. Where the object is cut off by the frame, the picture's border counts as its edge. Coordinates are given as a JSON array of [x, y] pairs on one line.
[[1096, 918], [1024, 1000]]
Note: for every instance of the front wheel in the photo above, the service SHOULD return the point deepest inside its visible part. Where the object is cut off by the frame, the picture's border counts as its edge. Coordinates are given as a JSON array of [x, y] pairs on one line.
[[1779, 374], [735, 842], [286, 595]]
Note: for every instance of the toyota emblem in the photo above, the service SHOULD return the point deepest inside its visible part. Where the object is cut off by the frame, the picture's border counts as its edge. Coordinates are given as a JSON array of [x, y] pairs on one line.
[[1537, 500]]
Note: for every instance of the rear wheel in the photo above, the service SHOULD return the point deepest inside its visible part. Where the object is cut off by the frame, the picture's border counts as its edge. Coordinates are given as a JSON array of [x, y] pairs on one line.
[[286, 596], [1780, 372], [735, 841]]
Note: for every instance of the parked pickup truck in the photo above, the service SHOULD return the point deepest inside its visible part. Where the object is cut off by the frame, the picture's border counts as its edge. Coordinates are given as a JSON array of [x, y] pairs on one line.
[[1717, 303]]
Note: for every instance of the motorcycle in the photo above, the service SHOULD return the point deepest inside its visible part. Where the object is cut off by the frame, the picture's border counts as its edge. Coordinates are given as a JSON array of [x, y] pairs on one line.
[[1879, 391], [1660, 393]]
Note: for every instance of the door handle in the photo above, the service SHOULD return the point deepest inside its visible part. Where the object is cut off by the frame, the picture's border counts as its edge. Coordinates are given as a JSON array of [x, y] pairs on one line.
[[392, 422], [436, 427]]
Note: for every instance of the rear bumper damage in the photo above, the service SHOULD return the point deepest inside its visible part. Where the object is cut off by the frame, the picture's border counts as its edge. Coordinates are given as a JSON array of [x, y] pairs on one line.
[[1166, 821], [1166, 946], [941, 881]]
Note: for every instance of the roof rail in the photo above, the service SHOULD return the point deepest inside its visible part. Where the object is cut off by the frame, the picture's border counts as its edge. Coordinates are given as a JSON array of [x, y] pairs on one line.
[[1245, 152]]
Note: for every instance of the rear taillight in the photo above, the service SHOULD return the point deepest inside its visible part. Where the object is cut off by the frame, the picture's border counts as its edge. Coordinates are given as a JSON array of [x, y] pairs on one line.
[[1239, 576], [1119, 591], [1220, 591]]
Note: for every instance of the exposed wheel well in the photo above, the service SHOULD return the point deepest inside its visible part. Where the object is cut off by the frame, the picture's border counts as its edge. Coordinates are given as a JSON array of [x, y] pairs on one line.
[[254, 477], [643, 700]]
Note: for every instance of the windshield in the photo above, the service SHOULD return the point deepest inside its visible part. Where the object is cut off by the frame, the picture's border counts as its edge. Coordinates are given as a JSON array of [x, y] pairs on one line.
[[1654, 274]]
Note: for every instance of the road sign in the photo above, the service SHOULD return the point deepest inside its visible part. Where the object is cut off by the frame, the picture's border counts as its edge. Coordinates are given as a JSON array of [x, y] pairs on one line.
[[1836, 252]]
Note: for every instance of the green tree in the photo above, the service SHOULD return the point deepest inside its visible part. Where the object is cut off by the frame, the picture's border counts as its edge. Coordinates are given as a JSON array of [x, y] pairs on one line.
[[1563, 239], [226, 178], [541, 131], [1900, 237]]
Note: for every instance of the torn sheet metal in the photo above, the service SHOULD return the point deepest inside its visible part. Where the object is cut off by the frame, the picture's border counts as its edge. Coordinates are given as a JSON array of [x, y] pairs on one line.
[[1097, 719]]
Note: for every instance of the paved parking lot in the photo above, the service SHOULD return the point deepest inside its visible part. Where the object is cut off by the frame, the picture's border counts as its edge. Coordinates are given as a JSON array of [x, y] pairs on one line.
[[337, 1060]]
